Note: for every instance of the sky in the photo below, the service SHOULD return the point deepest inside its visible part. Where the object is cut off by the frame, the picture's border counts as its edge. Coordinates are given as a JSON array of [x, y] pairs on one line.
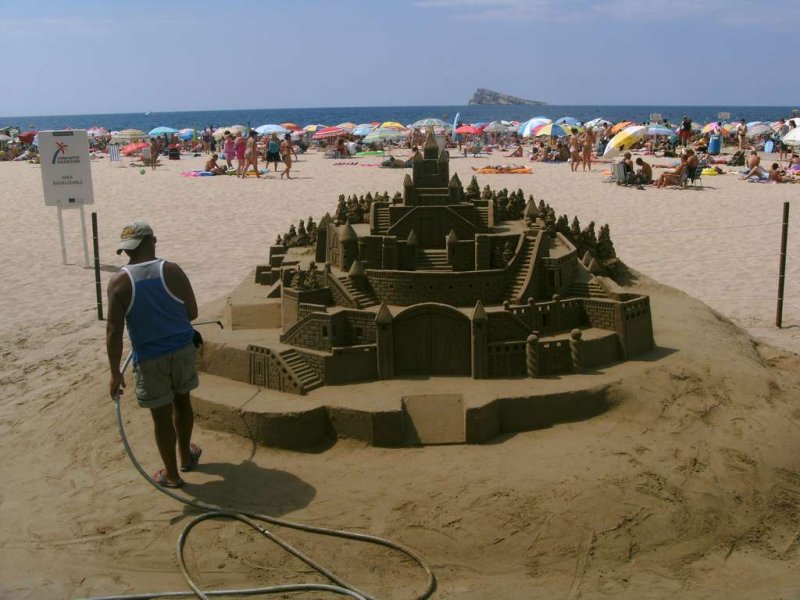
[[116, 56]]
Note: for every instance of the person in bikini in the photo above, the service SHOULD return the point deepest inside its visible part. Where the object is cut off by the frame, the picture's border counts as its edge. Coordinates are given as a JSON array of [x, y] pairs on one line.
[[574, 150], [588, 139], [239, 146], [250, 155], [287, 149]]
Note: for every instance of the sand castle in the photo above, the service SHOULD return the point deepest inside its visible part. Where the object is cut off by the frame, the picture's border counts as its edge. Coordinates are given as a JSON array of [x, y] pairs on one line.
[[438, 281]]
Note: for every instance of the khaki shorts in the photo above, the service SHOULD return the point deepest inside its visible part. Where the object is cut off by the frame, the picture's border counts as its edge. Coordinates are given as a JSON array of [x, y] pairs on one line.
[[157, 380]]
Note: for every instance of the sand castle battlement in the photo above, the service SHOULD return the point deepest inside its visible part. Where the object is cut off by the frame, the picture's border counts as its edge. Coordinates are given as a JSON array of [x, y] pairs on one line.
[[433, 285]]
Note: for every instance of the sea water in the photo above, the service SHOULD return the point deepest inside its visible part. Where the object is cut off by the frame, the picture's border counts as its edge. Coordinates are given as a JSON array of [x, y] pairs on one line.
[[403, 114]]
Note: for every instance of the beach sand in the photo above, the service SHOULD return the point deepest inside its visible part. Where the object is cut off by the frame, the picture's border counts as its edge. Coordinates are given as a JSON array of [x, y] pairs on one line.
[[688, 487]]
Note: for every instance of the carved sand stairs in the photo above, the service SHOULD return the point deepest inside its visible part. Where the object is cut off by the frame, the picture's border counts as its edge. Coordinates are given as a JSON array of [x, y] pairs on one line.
[[301, 370], [432, 259], [382, 219], [586, 289], [482, 218], [517, 282], [363, 296]]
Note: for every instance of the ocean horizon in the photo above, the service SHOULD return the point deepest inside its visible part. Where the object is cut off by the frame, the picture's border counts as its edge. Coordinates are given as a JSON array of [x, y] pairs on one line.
[[148, 120]]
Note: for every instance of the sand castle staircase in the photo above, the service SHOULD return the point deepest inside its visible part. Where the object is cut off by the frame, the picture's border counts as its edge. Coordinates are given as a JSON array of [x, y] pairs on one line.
[[522, 270], [359, 290], [432, 259], [586, 289], [382, 218], [482, 218], [301, 371]]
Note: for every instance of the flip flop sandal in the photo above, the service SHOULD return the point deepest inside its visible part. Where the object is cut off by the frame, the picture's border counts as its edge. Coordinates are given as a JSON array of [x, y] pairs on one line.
[[195, 452], [160, 478]]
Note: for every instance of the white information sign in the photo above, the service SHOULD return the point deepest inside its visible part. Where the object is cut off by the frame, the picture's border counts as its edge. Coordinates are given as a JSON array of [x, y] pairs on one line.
[[723, 116], [655, 118], [66, 172]]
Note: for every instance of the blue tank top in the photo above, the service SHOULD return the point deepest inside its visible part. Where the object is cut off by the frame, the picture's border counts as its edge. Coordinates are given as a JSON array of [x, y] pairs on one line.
[[273, 146], [157, 321]]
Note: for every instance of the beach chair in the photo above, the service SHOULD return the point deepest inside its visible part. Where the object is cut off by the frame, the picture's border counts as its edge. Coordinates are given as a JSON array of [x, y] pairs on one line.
[[618, 175], [695, 176], [114, 155], [476, 149]]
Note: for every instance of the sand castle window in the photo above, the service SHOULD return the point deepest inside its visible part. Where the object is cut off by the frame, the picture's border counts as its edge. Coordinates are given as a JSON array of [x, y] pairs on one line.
[[359, 332], [545, 319], [324, 331], [551, 278]]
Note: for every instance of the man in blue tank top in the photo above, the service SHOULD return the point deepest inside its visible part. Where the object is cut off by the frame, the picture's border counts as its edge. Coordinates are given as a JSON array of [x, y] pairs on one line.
[[155, 300]]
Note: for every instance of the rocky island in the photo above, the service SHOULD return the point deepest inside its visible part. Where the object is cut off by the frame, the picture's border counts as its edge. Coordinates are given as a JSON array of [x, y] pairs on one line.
[[484, 96]]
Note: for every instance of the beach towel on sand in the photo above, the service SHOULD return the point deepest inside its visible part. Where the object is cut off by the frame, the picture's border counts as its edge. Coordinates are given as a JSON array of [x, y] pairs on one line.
[[504, 170]]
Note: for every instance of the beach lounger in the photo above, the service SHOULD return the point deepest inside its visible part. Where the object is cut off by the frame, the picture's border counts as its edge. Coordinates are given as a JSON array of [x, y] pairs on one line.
[[695, 176], [114, 156], [618, 175]]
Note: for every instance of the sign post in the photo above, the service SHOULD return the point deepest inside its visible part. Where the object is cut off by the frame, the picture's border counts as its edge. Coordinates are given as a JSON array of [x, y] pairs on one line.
[[67, 177]]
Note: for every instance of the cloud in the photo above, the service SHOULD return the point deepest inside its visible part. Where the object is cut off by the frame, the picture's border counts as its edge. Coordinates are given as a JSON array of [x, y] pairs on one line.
[[773, 13]]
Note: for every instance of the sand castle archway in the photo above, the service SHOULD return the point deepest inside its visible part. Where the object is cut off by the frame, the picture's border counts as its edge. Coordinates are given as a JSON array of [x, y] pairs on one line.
[[432, 339]]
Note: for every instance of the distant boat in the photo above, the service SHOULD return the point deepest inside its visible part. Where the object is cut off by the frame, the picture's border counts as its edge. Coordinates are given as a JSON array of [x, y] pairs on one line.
[[147, 113]]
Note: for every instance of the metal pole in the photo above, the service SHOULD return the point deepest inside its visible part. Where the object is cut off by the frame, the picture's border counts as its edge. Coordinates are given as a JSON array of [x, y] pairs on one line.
[[61, 233], [782, 270], [97, 285], [85, 238]]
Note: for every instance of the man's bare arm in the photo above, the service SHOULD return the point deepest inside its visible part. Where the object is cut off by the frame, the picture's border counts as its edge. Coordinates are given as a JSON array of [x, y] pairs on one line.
[[119, 294], [178, 283]]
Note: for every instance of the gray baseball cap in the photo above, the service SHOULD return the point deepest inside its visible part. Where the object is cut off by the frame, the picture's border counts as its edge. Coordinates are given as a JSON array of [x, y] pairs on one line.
[[132, 235]]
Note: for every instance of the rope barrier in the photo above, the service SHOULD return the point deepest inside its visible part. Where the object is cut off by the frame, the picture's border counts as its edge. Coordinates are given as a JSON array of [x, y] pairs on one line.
[[210, 511]]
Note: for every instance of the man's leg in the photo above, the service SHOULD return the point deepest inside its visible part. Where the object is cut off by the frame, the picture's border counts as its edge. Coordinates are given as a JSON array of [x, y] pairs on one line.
[[183, 422], [165, 440]]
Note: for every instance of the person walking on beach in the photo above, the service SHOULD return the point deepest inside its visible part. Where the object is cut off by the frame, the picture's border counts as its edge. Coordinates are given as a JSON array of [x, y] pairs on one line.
[[588, 140], [273, 151], [239, 146], [229, 149], [154, 298], [286, 153], [250, 155], [741, 133], [154, 148], [686, 131]]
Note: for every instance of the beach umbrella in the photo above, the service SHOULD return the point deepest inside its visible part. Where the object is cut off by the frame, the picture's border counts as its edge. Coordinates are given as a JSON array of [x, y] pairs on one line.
[[162, 131], [393, 125], [329, 132], [312, 128], [551, 130], [468, 130], [430, 122], [526, 129], [234, 129], [597, 123], [624, 140], [497, 127], [792, 138], [5, 138], [659, 130], [758, 128], [270, 129], [348, 126], [186, 134], [382, 133], [567, 121], [291, 127], [621, 125], [712, 127], [133, 148], [27, 136], [94, 132], [456, 120], [363, 129]]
